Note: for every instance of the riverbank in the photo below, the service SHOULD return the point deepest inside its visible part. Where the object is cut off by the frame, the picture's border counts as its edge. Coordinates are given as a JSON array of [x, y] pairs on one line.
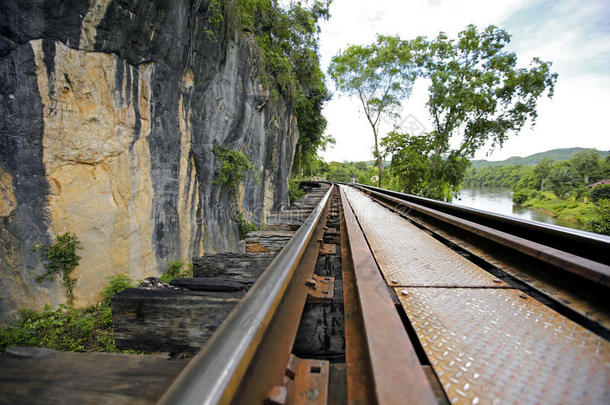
[[499, 200], [575, 212]]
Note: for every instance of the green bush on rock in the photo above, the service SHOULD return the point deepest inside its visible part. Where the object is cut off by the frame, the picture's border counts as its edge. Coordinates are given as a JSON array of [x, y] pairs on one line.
[[62, 258], [177, 269]]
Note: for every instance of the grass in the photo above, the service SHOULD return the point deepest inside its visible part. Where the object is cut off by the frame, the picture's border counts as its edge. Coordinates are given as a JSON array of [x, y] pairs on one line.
[[88, 329], [243, 224], [577, 212], [177, 269]]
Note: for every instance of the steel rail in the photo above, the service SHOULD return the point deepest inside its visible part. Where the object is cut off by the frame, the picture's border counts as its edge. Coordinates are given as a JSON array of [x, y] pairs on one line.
[[214, 375], [581, 266], [582, 243], [376, 338]]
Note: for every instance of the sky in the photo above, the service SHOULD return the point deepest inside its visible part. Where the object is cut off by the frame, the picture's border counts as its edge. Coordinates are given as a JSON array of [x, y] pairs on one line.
[[573, 34]]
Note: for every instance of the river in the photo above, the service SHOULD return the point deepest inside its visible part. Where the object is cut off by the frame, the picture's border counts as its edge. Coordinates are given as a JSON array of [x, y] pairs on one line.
[[498, 199]]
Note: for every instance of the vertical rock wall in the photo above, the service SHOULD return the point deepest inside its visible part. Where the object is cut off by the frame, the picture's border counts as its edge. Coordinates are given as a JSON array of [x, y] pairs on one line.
[[109, 111]]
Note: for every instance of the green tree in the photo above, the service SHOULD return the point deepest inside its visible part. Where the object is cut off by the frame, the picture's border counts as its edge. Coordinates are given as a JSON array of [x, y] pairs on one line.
[[379, 75], [562, 179], [478, 93], [339, 174], [410, 161], [542, 170], [605, 168], [62, 259], [586, 163], [601, 192], [234, 168], [602, 223]]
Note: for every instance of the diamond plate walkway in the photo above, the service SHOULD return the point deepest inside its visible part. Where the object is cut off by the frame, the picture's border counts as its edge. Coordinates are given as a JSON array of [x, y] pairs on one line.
[[487, 343]]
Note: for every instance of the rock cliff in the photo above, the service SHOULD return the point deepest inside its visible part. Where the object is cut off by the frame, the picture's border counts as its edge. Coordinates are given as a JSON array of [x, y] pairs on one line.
[[109, 111]]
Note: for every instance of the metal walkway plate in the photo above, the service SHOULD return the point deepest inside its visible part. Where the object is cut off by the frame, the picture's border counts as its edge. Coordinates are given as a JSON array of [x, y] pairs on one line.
[[408, 256], [498, 346]]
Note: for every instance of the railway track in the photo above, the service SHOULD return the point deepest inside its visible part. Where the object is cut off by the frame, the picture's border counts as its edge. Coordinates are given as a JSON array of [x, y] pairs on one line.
[[440, 306], [386, 298]]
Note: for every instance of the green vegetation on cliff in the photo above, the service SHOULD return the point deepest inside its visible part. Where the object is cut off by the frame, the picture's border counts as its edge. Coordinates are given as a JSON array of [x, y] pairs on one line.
[[289, 59], [73, 329], [61, 258]]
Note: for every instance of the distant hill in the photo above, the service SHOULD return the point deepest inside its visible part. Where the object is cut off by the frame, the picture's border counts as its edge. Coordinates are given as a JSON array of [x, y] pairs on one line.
[[532, 160]]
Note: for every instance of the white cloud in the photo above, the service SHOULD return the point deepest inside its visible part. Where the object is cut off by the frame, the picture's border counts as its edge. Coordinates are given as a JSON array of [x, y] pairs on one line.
[[565, 32]]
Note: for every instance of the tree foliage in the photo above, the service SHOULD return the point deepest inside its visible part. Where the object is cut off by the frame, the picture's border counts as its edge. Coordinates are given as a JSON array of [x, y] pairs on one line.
[[380, 75], [602, 223], [586, 163], [478, 96], [547, 174], [569, 198], [562, 178], [477, 90]]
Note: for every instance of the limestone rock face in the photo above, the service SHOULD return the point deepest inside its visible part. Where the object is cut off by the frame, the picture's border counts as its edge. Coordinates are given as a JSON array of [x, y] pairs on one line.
[[109, 111]]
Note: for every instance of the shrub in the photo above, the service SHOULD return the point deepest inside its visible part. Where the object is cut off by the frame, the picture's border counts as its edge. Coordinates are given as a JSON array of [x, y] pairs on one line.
[[71, 329], [519, 197], [295, 191], [243, 224], [601, 192], [602, 223], [116, 284], [177, 269], [234, 167], [62, 258]]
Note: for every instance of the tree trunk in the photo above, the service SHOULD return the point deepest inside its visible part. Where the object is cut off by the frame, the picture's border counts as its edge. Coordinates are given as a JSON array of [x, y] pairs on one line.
[[379, 164]]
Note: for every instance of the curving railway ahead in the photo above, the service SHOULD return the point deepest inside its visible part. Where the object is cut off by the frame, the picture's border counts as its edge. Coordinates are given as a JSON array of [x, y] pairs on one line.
[[441, 304]]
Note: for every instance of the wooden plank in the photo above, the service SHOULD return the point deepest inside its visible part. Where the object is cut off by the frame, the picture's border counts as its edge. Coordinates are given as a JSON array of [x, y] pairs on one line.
[[221, 284], [267, 241], [246, 265], [30, 375], [168, 320]]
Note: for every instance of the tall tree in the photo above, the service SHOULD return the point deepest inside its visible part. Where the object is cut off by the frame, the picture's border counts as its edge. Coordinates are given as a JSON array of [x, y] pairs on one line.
[[477, 96], [586, 163], [562, 178], [379, 75], [542, 170]]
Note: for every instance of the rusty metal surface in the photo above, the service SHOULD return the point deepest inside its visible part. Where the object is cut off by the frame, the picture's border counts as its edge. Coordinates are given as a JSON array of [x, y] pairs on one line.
[[594, 271], [358, 369], [493, 346], [328, 249], [305, 383], [577, 298], [581, 243], [321, 288], [407, 256], [310, 381], [396, 374]]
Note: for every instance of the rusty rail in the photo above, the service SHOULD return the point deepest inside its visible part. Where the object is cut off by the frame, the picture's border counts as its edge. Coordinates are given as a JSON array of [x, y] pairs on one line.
[[218, 373], [377, 344]]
